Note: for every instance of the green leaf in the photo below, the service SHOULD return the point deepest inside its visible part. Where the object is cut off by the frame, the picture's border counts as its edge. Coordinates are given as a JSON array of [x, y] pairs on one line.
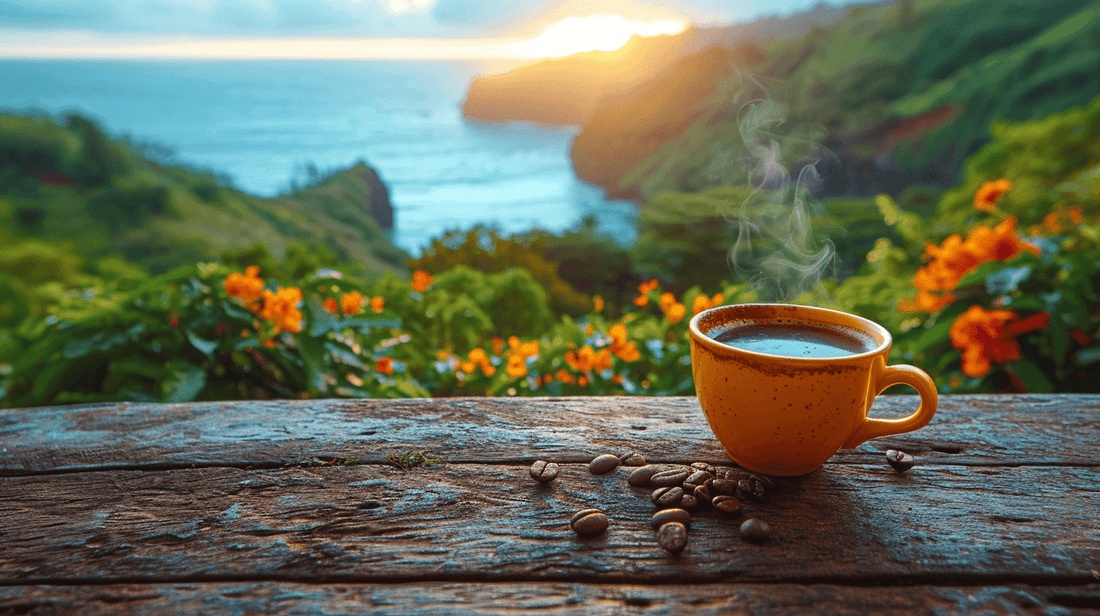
[[933, 336], [206, 347], [313, 355], [1032, 377], [185, 383]]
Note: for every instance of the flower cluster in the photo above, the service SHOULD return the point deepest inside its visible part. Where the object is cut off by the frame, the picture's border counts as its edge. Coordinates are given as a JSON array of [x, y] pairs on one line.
[[351, 303], [248, 287], [956, 256], [702, 302], [279, 307], [986, 336], [643, 292]]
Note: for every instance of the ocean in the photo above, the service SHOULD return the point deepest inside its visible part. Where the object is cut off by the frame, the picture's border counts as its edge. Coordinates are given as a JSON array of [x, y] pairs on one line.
[[266, 124]]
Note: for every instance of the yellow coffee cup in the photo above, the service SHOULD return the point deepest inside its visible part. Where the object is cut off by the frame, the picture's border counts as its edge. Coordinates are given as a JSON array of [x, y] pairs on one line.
[[793, 384]]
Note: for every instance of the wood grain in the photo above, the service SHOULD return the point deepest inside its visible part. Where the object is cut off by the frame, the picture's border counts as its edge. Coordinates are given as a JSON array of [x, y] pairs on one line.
[[559, 599], [845, 524], [967, 430]]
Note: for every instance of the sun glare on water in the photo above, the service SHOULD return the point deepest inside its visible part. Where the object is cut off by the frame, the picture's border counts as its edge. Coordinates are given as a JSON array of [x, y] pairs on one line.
[[594, 33]]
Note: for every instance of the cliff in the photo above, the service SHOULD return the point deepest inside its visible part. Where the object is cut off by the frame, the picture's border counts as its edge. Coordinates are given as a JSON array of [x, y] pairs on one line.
[[568, 90]]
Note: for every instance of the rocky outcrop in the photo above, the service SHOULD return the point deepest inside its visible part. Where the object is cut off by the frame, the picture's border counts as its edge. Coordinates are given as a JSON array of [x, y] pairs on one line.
[[631, 126]]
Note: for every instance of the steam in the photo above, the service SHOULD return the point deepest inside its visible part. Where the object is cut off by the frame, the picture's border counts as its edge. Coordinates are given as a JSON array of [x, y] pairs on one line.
[[775, 248]]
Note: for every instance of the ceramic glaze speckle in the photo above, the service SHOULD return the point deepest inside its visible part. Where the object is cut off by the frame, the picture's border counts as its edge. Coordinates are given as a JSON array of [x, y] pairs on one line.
[[786, 415]]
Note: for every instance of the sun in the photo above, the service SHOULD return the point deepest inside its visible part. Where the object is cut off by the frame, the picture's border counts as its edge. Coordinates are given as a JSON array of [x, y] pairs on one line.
[[603, 32]]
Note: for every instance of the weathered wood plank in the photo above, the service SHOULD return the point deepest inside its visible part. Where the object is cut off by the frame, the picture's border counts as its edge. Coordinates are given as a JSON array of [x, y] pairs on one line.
[[847, 524], [438, 599], [968, 430]]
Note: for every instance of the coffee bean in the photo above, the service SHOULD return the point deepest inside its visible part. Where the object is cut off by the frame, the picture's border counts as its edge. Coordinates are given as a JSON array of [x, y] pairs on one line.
[[667, 496], [900, 460], [670, 476], [751, 488], [729, 472], [640, 476], [689, 502], [633, 458], [588, 522], [726, 505], [544, 472], [724, 486], [672, 536], [665, 516], [703, 466], [603, 464], [756, 531], [702, 494], [697, 477]]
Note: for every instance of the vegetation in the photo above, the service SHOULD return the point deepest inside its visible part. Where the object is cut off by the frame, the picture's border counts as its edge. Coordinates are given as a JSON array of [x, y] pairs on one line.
[[1008, 303], [69, 182], [990, 285], [902, 92]]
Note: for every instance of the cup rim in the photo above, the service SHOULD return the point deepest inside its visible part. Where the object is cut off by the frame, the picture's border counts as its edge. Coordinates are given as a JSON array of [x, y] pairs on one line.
[[701, 338]]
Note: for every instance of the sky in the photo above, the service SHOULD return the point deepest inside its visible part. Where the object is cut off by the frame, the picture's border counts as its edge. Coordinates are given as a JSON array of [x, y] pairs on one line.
[[341, 28]]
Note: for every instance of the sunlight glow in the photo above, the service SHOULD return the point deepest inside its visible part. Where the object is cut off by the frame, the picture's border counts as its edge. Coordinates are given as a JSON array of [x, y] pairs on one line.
[[602, 32]]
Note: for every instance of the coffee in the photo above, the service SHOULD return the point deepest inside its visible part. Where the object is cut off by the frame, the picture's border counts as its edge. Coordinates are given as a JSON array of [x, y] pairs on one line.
[[801, 341]]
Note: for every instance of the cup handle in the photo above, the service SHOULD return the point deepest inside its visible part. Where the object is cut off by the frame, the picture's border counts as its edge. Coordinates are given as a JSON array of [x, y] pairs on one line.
[[899, 375]]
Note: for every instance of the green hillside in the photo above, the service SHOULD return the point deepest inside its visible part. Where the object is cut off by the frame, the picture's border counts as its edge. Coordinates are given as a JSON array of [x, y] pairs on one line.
[[901, 93], [70, 183]]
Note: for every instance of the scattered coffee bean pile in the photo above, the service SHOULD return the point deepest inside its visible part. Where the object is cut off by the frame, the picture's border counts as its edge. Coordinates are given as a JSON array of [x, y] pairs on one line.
[[677, 489]]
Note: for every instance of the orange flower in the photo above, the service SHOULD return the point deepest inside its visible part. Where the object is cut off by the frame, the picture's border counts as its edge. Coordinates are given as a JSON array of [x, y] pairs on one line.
[[523, 349], [480, 359], [629, 353], [517, 366], [377, 303], [331, 305], [618, 336], [700, 304], [675, 313], [667, 301], [950, 261], [351, 302], [619, 345], [421, 281], [597, 304], [641, 301], [990, 193], [985, 336], [582, 381], [602, 361], [247, 287], [563, 376], [498, 345], [646, 287], [582, 360], [384, 365], [281, 308]]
